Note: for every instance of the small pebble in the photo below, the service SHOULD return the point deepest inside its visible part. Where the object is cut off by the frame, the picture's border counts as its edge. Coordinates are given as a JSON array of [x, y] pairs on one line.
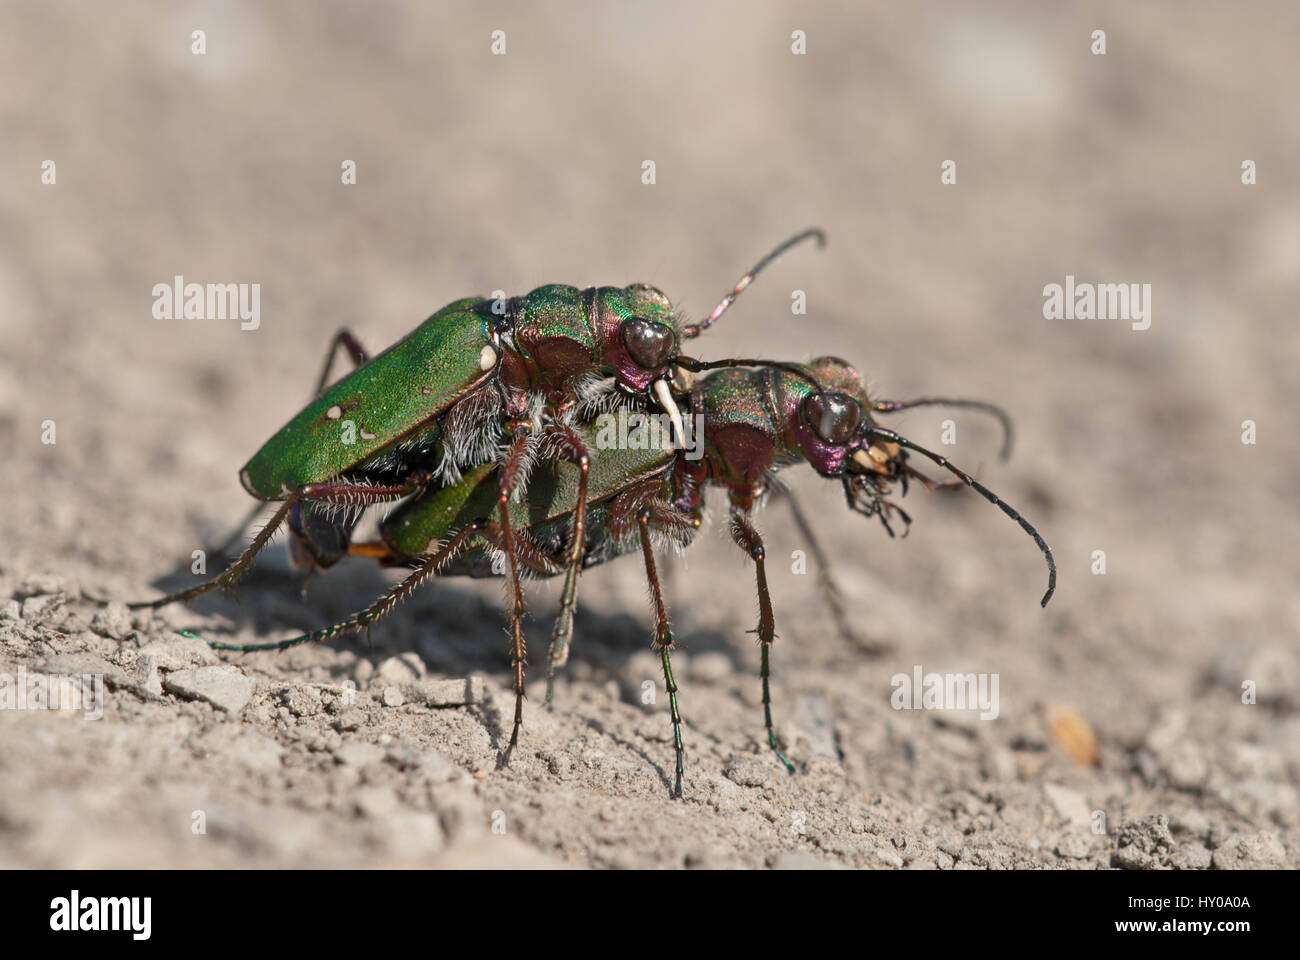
[[224, 687], [446, 693], [113, 621]]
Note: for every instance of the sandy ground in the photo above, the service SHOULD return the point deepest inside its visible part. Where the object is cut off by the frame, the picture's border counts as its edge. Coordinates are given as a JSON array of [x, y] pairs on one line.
[[478, 172]]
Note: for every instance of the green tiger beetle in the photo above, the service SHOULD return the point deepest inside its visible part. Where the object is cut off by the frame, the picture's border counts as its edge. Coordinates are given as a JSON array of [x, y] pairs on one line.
[[754, 422], [482, 381]]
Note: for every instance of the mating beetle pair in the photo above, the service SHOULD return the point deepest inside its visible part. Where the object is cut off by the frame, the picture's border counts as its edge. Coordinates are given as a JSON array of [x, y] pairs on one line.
[[481, 422]]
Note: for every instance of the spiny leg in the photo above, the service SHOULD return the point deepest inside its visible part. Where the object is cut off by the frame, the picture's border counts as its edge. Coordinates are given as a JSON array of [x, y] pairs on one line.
[[748, 539], [233, 540], [537, 558], [233, 572], [338, 493], [511, 470], [574, 449], [663, 642], [366, 618]]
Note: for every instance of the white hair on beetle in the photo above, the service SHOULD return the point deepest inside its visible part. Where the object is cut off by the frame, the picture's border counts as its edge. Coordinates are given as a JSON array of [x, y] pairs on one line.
[[597, 395], [472, 436]]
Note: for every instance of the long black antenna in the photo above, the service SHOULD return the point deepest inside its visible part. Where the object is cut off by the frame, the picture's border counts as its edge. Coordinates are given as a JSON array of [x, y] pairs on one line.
[[982, 490], [690, 363]]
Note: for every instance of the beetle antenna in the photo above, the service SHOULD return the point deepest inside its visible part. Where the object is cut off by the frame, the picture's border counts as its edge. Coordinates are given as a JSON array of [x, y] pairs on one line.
[[894, 406], [690, 363], [985, 492], [692, 330]]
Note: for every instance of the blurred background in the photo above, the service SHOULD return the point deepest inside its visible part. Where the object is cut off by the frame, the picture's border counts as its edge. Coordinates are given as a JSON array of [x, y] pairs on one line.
[[478, 171]]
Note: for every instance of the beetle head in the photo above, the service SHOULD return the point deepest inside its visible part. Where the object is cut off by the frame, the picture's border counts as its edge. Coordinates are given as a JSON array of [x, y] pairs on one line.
[[830, 422], [647, 344], [643, 350], [837, 434]]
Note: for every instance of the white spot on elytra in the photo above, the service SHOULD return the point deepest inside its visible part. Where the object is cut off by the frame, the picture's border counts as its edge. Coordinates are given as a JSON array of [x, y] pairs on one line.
[[334, 412], [487, 358]]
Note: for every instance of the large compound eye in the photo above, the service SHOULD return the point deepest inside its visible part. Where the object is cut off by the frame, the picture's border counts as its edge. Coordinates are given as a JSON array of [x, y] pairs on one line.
[[649, 344], [832, 416]]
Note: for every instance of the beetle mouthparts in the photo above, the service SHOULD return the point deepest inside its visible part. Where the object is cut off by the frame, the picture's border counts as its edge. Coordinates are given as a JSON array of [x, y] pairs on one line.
[[665, 398]]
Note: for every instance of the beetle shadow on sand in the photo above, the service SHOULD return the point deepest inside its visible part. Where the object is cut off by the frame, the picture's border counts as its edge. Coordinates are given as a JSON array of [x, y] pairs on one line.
[[455, 630]]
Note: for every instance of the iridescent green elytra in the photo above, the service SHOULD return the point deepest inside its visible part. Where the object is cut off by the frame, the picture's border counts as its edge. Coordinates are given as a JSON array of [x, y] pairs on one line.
[[545, 341], [395, 397]]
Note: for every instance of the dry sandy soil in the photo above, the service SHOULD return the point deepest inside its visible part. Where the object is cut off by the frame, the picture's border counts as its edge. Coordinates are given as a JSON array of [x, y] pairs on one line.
[[478, 172]]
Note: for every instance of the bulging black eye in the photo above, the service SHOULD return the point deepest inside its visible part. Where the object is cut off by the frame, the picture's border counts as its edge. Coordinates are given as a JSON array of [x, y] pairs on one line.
[[649, 344], [832, 416]]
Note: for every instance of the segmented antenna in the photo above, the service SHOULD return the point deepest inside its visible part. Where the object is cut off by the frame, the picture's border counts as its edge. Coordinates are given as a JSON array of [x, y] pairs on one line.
[[985, 492], [894, 406], [692, 330], [794, 369]]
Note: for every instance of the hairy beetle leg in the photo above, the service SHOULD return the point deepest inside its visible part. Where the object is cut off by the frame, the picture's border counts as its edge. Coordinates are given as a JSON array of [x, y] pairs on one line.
[[572, 448], [663, 642], [236, 538], [233, 572], [511, 469], [748, 539], [369, 616], [338, 492]]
